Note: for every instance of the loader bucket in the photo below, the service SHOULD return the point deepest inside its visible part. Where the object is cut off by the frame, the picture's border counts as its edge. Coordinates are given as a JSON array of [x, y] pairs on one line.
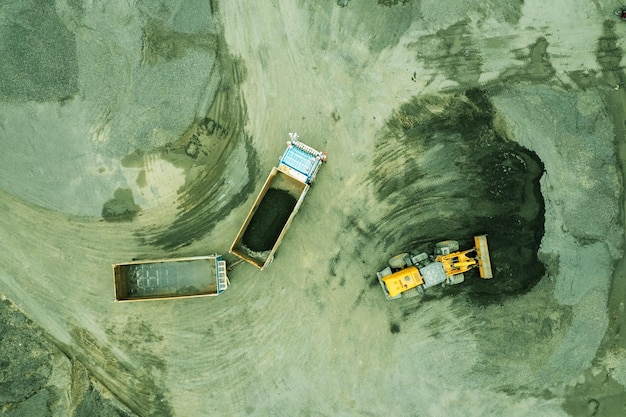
[[482, 252]]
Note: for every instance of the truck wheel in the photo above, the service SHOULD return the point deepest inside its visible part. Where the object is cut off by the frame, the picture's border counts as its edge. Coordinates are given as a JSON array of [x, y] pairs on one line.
[[450, 245], [398, 261]]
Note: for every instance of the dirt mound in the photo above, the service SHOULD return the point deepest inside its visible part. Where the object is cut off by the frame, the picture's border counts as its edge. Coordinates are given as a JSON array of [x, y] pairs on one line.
[[269, 219]]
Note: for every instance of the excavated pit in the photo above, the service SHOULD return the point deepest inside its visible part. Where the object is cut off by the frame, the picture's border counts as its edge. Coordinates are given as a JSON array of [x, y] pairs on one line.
[[446, 171]]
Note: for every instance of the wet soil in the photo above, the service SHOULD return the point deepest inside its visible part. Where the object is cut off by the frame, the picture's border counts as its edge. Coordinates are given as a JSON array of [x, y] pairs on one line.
[[445, 162], [268, 220], [121, 207]]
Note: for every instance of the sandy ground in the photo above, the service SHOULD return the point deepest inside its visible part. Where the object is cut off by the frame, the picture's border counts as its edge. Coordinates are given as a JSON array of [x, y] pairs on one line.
[[153, 137]]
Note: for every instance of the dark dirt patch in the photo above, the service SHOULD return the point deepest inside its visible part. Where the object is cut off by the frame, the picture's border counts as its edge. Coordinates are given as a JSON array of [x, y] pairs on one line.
[[394, 328], [390, 3], [451, 51], [133, 160], [332, 267], [537, 65], [608, 53], [379, 23], [268, 220], [121, 208], [447, 173]]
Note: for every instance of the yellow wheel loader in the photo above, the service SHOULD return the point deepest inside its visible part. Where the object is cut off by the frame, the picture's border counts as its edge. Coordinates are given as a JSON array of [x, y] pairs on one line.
[[409, 275]]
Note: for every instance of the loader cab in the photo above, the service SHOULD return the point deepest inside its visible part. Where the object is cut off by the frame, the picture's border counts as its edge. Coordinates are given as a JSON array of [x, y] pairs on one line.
[[398, 282]]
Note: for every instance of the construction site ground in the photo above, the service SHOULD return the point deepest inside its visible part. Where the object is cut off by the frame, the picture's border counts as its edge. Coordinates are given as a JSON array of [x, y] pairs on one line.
[[144, 130]]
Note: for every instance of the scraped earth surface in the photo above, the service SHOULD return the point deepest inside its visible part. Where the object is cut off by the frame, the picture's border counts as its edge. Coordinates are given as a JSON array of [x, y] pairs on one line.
[[146, 129]]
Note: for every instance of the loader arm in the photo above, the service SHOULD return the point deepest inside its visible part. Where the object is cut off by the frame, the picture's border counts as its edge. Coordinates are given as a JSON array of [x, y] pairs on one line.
[[457, 262]]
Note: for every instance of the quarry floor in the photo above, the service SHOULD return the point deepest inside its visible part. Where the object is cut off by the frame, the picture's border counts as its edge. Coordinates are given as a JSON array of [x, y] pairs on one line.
[[145, 130]]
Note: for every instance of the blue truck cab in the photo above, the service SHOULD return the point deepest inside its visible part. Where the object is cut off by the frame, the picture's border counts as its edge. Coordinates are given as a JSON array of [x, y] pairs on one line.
[[300, 160]]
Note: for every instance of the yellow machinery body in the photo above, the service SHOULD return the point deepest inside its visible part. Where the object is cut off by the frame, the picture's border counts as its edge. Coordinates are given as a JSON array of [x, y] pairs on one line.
[[459, 262], [403, 280], [446, 267]]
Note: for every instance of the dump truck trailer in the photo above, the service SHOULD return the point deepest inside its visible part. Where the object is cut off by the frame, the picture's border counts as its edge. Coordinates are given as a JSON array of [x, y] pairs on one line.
[[411, 274], [277, 203], [198, 276]]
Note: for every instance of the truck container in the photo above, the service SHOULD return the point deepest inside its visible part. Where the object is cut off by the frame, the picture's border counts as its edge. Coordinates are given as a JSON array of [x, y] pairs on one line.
[[277, 203], [197, 276]]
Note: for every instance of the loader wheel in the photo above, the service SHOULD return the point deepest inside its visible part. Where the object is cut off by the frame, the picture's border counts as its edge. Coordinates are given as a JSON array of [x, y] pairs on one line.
[[456, 279], [398, 261], [413, 292], [451, 245]]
